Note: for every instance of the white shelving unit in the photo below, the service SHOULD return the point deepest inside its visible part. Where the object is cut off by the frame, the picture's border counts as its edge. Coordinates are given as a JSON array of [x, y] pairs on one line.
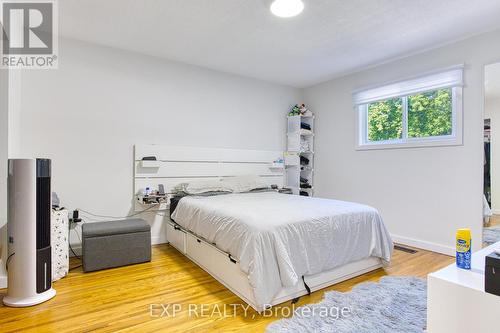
[[300, 143]]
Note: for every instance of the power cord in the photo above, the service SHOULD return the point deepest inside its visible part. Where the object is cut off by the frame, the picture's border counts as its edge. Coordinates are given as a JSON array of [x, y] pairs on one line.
[[119, 217], [75, 220], [8, 260], [74, 253]]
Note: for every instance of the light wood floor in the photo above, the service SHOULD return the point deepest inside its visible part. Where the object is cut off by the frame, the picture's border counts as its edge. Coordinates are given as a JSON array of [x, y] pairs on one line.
[[120, 299], [494, 220]]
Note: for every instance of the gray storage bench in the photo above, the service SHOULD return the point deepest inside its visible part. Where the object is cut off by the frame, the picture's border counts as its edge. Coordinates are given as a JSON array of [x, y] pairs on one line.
[[115, 243]]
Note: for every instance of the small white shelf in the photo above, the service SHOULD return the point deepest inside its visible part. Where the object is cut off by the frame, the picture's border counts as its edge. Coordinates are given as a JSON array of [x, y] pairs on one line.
[[300, 133], [150, 164], [278, 166], [303, 117], [301, 152]]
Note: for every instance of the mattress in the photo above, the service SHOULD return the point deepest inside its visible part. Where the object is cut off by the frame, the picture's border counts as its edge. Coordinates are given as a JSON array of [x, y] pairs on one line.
[[278, 238]]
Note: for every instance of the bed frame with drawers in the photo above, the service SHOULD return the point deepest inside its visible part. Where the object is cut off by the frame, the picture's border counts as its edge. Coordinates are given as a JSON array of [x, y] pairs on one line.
[[176, 165]]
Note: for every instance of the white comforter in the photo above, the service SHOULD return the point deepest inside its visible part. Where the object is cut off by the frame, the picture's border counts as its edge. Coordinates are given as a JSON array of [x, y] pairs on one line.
[[278, 238]]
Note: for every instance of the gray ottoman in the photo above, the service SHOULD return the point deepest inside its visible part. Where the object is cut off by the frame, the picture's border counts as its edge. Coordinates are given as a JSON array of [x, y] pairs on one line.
[[115, 243]]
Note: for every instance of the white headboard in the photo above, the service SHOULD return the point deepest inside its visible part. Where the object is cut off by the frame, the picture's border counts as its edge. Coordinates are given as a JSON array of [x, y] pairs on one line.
[[177, 165]]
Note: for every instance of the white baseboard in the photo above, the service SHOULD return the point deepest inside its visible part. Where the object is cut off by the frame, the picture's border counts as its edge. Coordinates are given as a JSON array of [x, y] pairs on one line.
[[158, 240], [425, 245]]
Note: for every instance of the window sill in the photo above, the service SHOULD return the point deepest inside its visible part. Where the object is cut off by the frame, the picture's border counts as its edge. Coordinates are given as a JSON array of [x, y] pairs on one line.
[[410, 144]]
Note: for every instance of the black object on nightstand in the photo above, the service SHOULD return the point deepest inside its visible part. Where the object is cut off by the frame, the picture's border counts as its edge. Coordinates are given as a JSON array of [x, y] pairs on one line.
[[492, 274]]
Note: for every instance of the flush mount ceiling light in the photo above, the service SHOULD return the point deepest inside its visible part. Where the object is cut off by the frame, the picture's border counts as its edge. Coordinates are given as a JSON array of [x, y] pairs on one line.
[[287, 8]]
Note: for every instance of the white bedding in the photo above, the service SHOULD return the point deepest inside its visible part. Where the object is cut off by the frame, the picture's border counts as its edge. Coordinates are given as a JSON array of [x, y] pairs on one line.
[[278, 238]]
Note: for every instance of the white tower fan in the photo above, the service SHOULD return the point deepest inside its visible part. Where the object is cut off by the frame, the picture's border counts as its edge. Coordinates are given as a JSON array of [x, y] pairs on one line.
[[29, 253]]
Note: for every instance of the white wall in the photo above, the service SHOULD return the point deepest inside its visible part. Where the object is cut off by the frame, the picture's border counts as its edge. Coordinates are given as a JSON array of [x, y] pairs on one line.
[[4, 82], [87, 115], [424, 194], [492, 111]]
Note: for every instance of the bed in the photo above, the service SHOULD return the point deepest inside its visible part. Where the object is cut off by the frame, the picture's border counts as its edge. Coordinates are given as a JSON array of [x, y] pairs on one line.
[[279, 240], [266, 247]]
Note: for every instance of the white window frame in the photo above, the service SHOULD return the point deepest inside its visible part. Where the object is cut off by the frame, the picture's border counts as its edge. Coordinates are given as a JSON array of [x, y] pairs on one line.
[[456, 137]]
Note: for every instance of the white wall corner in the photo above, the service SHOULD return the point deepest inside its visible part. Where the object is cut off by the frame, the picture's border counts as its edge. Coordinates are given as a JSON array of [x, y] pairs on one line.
[[4, 130], [3, 280], [3, 256], [162, 239], [424, 245]]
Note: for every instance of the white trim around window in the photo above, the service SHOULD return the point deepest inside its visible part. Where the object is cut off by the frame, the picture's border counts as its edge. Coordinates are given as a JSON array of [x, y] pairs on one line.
[[449, 79]]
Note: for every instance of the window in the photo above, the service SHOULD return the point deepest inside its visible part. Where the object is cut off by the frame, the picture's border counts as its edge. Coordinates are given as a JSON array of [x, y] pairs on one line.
[[421, 112]]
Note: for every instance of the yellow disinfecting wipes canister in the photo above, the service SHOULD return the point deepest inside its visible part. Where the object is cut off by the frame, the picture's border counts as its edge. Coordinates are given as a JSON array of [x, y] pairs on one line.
[[464, 246]]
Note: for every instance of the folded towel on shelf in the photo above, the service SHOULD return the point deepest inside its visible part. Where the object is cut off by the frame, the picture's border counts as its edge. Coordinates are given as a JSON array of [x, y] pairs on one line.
[[305, 126]]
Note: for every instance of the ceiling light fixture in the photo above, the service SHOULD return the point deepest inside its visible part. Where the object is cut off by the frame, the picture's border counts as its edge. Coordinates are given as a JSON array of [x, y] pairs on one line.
[[287, 8]]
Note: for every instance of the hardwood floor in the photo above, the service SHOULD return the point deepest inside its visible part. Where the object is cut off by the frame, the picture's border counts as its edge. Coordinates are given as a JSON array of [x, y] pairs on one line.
[[494, 220], [121, 299]]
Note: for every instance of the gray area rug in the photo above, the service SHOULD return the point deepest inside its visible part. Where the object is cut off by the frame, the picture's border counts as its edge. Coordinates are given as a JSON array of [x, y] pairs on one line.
[[395, 304], [491, 234]]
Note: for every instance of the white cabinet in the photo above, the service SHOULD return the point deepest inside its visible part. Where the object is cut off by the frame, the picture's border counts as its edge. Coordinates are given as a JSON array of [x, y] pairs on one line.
[[457, 302]]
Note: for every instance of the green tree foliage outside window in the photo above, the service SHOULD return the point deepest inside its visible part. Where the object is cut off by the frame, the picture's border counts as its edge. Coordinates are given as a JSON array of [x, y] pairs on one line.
[[428, 114], [385, 120]]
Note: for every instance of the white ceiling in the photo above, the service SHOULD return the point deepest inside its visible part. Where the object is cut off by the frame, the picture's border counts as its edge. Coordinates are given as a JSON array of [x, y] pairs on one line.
[[330, 38]]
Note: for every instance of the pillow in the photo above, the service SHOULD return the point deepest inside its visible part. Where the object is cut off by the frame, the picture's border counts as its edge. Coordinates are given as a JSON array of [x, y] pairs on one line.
[[202, 186], [246, 183]]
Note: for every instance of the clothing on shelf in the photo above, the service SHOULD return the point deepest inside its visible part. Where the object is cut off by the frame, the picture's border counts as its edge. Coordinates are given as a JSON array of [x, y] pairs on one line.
[[304, 160], [487, 172], [305, 126], [305, 131], [307, 113], [487, 161], [304, 145], [304, 193]]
